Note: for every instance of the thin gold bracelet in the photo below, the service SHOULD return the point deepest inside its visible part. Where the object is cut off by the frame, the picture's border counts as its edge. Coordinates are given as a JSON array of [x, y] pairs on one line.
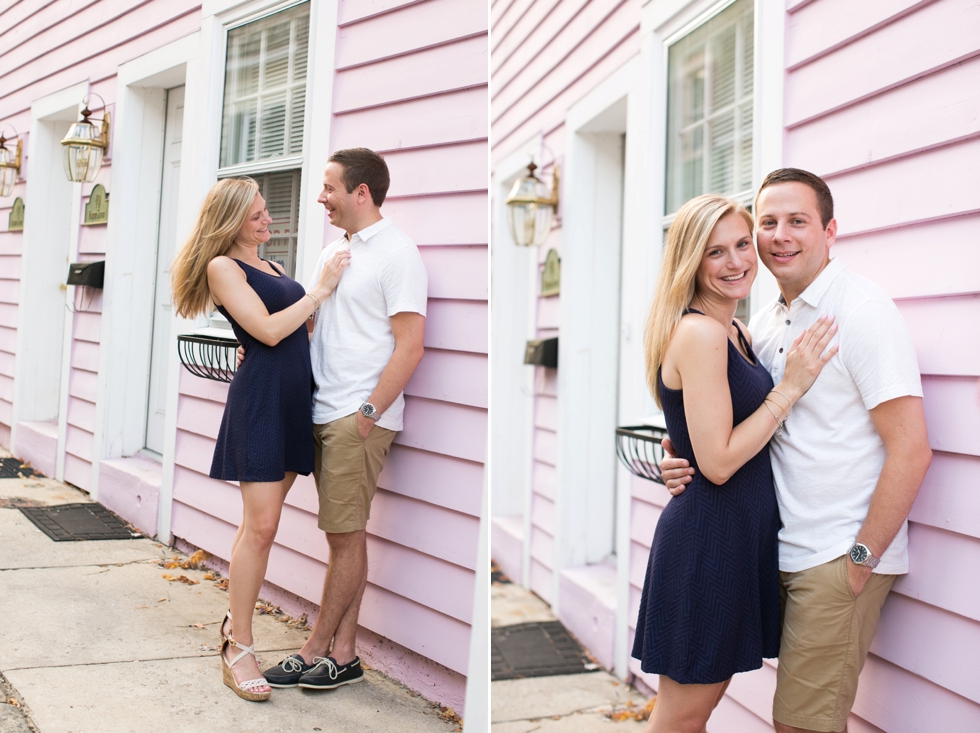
[[779, 423], [788, 400], [773, 402]]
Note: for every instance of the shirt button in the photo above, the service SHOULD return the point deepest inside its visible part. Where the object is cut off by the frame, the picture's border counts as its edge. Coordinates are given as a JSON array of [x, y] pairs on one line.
[[787, 321], [780, 350]]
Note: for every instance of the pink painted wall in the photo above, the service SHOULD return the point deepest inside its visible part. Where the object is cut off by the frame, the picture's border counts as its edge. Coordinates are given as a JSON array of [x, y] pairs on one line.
[[547, 55], [883, 100], [45, 49], [411, 83]]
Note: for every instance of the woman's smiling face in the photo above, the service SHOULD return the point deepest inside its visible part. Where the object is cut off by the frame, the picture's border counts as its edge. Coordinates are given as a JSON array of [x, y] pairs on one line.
[[729, 264], [255, 230]]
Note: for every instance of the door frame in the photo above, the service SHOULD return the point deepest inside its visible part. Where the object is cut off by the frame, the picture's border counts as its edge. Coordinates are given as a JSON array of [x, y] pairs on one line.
[[43, 308], [127, 316], [513, 308]]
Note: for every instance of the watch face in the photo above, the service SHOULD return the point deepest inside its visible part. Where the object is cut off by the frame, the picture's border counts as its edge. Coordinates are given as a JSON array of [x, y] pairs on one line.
[[859, 553], [368, 410]]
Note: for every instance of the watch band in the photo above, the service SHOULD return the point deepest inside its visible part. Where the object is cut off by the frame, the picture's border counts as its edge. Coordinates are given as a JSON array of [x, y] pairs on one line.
[[860, 554]]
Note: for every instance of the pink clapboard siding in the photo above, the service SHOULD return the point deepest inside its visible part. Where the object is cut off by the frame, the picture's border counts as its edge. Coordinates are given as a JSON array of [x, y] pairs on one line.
[[47, 47], [411, 83], [546, 55]]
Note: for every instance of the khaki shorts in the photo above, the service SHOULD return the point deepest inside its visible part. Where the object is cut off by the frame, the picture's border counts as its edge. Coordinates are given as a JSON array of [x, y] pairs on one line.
[[826, 636], [346, 470]]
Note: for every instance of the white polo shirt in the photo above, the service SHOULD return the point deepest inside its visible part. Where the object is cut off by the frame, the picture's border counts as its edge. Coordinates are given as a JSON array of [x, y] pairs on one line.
[[827, 461], [352, 341]]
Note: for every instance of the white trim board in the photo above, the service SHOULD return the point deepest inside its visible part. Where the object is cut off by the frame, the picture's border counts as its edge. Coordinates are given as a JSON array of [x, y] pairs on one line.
[[127, 318], [48, 246], [513, 301], [598, 176]]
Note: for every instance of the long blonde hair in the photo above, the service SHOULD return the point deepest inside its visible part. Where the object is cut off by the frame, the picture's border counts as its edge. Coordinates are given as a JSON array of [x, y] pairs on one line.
[[222, 216], [686, 240]]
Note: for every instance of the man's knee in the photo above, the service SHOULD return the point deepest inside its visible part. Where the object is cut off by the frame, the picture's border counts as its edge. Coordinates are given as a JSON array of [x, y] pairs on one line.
[[347, 542]]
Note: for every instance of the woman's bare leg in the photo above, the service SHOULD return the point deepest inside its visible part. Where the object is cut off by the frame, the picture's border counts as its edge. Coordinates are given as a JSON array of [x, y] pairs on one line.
[[262, 504], [684, 708]]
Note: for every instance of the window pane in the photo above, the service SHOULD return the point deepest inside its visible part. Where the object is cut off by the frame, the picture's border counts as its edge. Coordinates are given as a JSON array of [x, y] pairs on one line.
[[265, 88], [709, 108], [281, 193]]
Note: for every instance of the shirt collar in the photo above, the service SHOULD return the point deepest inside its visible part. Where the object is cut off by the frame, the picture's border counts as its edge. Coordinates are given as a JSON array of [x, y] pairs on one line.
[[820, 285], [367, 232]]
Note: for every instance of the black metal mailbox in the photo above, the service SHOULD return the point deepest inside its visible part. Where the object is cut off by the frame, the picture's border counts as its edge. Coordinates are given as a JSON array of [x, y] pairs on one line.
[[542, 352], [87, 274]]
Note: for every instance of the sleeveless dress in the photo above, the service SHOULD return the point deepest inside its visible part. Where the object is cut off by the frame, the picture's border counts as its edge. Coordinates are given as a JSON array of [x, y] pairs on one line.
[[710, 605], [267, 428]]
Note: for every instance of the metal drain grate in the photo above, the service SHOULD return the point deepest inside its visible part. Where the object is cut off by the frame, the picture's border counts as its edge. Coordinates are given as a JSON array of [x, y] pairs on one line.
[[538, 649], [69, 522], [15, 468]]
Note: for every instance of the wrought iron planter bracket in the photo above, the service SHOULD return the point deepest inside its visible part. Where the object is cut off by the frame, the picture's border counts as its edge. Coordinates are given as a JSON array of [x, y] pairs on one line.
[[639, 448], [210, 357]]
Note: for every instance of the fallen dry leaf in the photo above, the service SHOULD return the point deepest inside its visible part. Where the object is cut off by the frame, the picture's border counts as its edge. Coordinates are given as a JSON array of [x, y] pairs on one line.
[[194, 562], [632, 711], [180, 579], [12, 701]]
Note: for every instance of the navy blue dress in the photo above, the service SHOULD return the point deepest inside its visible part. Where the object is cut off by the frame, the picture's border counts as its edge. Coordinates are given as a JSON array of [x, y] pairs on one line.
[[710, 605], [267, 426]]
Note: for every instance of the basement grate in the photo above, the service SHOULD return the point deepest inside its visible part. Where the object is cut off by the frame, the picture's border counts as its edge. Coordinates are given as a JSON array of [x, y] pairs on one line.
[[69, 522], [536, 649]]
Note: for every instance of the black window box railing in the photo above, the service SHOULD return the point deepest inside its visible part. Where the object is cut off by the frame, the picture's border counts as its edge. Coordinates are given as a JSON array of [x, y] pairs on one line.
[[210, 357], [639, 448]]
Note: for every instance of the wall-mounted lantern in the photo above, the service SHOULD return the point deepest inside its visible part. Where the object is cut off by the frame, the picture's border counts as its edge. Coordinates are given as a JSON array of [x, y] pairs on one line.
[[530, 207], [9, 164], [85, 146]]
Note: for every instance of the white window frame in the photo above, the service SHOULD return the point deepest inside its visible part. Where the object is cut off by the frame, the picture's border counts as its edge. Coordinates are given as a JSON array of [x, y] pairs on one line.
[[269, 165], [663, 24]]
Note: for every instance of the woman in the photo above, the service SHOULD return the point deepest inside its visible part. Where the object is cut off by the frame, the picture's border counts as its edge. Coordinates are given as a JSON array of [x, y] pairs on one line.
[[265, 437], [710, 604]]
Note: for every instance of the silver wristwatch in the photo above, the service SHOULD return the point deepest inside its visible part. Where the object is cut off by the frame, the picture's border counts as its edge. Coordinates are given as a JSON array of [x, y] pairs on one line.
[[861, 555], [370, 411]]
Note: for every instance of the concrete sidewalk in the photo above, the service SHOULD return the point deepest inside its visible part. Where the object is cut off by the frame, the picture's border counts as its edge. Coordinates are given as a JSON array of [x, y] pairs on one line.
[[94, 640], [593, 702]]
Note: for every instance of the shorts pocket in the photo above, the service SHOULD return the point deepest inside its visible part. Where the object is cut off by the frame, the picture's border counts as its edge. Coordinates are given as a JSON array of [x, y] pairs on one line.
[[844, 561]]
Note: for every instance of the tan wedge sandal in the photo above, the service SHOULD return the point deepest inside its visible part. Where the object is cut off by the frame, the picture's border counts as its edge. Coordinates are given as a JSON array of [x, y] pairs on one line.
[[246, 689]]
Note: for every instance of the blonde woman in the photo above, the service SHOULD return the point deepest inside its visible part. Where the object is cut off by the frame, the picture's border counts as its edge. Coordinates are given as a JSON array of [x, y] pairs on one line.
[[266, 436], [710, 605]]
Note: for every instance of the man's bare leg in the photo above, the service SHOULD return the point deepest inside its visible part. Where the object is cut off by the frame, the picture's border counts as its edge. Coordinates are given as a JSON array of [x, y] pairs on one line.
[[345, 638], [346, 575]]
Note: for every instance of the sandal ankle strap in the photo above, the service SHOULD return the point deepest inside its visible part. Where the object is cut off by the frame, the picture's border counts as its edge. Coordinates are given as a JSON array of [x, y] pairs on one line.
[[246, 650]]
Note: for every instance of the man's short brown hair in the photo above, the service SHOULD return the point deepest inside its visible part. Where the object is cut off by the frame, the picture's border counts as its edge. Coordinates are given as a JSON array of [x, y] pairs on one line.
[[364, 166], [825, 201]]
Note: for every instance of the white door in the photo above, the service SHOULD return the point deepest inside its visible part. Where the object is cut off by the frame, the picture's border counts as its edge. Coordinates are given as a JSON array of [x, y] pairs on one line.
[[157, 388]]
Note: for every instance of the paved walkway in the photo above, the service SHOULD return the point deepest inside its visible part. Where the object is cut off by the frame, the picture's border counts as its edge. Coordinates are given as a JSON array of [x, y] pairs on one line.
[[594, 702], [93, 639]]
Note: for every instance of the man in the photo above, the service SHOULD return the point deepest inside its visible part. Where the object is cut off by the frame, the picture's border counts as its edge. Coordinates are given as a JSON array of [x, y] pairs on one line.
[[366, 343], [849, 463]]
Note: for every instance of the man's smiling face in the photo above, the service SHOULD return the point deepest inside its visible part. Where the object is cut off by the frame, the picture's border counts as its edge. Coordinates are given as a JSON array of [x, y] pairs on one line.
[[340, 205], [792, 241]]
